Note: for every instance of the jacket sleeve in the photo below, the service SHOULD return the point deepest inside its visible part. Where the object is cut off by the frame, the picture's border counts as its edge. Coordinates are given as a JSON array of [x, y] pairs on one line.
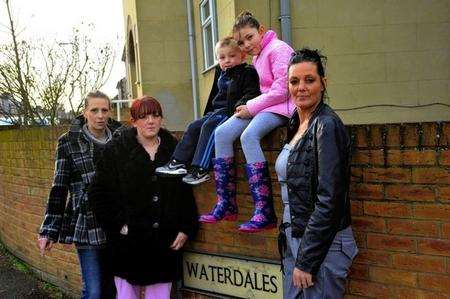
[[189, 214], [56, 204], [213, 92], [331, 183], [250, 86], [104, 192], [278, 92]]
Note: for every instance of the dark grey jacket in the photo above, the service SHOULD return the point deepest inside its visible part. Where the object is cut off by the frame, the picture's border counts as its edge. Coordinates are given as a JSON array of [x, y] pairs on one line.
[[318, 174]]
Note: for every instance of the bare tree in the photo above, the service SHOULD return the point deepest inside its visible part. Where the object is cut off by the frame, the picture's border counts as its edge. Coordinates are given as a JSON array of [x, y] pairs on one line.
[[40, 79]]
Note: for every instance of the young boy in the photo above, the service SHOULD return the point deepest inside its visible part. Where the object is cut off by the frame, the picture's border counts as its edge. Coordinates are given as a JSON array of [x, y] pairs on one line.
[[235, 82]]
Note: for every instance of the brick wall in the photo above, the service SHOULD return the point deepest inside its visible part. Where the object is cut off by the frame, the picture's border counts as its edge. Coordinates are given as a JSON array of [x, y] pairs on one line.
[[400, 205]]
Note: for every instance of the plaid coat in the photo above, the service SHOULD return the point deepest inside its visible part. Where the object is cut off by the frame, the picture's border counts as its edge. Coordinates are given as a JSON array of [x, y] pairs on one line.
[[73, 222]]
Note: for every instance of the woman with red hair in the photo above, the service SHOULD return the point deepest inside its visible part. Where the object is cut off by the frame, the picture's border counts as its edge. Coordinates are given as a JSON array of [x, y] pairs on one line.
[[147, 218]]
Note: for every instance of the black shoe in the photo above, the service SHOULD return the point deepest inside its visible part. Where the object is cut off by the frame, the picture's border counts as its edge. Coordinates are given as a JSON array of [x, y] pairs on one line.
[[173, 168], [196, 176]]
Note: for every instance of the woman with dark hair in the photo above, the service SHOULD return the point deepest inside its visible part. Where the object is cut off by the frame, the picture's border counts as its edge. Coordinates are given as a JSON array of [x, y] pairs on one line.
[[77, 152], [316, 241], [147, 218]]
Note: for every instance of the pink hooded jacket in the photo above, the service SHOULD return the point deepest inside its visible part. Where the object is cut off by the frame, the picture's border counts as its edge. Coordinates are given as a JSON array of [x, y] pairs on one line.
[[271, 65]]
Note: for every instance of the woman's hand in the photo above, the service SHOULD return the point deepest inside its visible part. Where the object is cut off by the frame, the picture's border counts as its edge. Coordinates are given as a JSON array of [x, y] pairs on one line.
[[179, 241], [302, 279], [242, 112], [44, 245]]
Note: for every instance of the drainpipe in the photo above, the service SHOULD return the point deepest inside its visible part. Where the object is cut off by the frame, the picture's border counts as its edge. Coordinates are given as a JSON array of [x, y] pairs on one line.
[[193, 60], [285, 19]]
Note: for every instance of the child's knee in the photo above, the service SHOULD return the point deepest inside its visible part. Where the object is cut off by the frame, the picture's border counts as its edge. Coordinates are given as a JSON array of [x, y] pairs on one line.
[[248, 138]]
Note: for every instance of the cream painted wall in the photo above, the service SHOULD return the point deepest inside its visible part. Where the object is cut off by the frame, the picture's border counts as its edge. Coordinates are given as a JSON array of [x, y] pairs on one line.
[[163, 58], [381, 52]]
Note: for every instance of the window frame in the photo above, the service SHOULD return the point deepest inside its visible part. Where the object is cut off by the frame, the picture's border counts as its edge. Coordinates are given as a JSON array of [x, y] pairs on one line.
[[210, 20]]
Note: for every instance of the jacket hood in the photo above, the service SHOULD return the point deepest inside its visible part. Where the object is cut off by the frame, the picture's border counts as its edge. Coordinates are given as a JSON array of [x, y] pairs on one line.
[[268, 37]]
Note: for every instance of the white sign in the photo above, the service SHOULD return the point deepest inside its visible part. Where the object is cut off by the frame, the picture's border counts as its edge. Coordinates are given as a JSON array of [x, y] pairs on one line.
[[238, 277]]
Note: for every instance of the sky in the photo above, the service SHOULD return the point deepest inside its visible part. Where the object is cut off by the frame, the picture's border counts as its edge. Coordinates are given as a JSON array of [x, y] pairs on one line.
[[54, 20]]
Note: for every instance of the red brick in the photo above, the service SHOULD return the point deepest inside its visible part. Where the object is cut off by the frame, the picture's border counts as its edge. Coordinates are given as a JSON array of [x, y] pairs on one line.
[[361, 136], [412, 227], [411, 157], [410, 192], [388, 175], [393, 135], [429, 134], [407, 293], [443, 194], [376, 136], [366, 191], [359, 271], [444, 158], [434, 247], [387, 209], [360, 157], [356, 208], [391, 243], [446, 230], [419, 263], [373, 257], [435, 282], [432, 211], [415, 157], [369, 289], [368, 157], [432, 175], [368, 224], [410, 134], [356, 174], [360, 238], [445, 135], [392, 276]]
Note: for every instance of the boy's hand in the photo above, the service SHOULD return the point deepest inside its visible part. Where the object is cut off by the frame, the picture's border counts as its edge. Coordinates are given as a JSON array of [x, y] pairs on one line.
[[242, 112]]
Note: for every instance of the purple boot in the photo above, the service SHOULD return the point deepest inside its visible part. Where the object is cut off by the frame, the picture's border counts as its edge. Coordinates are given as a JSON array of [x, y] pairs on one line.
[[225, 177], [261, 189]]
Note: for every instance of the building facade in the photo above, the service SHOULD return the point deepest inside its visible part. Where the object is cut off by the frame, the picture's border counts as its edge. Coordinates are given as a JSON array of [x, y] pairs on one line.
[[388, 78]]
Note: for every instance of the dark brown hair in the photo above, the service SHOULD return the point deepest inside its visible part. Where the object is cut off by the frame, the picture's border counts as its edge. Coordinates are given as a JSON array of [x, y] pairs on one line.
[[144, 106], [245, 19]]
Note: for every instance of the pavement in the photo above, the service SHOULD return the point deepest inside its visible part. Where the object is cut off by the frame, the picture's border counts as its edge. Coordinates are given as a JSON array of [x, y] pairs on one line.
[[17, 281]]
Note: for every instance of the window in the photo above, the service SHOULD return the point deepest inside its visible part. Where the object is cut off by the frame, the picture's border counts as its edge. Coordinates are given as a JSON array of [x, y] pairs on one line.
[[209, 31]]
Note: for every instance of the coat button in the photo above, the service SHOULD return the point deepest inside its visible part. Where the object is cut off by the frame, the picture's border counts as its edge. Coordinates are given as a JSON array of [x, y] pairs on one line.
[[292, 217], [155, 225], [309, 148], [289, 189], [154, 178], [306, 162], [155, 198]]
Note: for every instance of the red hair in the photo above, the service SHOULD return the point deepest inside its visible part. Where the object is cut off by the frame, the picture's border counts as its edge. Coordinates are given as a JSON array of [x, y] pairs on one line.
[[144, 106]]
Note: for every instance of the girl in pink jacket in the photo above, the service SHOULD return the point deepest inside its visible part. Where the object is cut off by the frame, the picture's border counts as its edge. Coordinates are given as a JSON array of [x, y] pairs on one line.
[[252, 122]]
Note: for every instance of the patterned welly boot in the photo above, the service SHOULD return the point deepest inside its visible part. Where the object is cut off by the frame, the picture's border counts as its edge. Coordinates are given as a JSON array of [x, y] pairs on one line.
[[225, 177], [261, 189]]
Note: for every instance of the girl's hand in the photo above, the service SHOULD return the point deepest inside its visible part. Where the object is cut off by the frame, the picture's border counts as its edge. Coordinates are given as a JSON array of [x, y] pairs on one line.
[[242, 112], [44, 245], [302, 279], [179, 241]]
